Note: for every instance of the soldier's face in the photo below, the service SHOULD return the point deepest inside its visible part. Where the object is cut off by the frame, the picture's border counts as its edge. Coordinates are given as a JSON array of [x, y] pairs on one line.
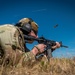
[[33, 34]]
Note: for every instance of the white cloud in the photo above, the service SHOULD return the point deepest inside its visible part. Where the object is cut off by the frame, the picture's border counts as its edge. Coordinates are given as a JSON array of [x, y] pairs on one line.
[[39, 10]]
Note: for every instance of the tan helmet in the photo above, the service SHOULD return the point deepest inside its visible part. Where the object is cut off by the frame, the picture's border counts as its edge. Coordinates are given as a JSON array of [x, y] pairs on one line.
[[29, 25]]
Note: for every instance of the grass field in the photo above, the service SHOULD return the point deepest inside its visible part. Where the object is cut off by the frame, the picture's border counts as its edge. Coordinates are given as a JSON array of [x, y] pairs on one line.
[[56, 66]]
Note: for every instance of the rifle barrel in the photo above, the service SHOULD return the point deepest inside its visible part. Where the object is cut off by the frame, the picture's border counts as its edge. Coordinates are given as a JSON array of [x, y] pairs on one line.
[[64, 46]]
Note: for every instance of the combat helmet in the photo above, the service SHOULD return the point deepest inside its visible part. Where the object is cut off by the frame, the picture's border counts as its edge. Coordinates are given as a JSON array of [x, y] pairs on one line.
[[27, 24]]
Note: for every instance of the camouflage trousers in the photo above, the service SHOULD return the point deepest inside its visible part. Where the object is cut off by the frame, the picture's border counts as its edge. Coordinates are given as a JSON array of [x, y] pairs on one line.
[[10, 56]]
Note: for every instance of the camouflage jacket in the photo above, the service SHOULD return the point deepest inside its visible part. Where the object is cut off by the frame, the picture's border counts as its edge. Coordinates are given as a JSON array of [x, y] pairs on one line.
[[11, 35], [11, 42]]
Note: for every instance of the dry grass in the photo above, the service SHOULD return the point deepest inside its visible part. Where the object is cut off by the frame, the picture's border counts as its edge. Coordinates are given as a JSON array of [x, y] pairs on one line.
[[56, 66]]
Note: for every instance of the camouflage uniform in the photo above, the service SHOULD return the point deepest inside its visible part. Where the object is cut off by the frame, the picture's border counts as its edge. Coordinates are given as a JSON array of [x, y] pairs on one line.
[[12, 45]]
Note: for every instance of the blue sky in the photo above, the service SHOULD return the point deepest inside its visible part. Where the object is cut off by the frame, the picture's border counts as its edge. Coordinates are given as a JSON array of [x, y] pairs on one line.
[[47, 13]]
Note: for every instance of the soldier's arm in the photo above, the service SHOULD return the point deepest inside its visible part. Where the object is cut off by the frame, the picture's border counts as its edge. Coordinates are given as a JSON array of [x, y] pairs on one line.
[[29, 57]]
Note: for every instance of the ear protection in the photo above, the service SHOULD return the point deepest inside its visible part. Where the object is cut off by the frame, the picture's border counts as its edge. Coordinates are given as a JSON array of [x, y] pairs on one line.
[[26, 27]]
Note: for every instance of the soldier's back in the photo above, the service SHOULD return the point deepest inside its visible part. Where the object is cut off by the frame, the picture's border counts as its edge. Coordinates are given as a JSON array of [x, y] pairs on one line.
[[9, 42]]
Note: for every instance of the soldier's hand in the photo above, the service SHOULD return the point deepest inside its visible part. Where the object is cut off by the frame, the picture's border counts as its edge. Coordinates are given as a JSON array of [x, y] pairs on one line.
[[56, 46], [38, 48]]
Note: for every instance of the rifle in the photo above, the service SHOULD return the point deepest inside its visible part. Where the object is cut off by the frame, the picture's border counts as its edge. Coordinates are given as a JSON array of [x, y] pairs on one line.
[[49, 43]]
